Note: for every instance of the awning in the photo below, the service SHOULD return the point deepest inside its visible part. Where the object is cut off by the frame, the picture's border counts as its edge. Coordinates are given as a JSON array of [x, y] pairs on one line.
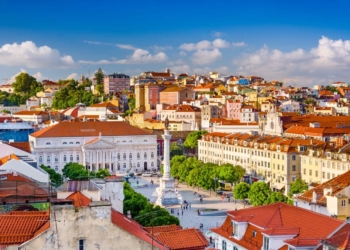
[[278, 186]]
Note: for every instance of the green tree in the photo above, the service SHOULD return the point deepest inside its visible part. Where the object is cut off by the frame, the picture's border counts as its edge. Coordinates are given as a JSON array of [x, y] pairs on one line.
[[241, 191], [187, 166], [99, 88], [297, 187], [132, 103], [55, 177], [175, 164], [193, 177], [102, 173], [276, 197], [231, 174], [192, 138], [259, 193], [26, 84], [99, 76], [143, 211], [75, 171], [175, 149], [207, 175]]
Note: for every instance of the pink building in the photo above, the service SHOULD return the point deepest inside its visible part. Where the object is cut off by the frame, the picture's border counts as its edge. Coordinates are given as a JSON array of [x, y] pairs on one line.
[[233, 109], [176, 95], [116, 83]]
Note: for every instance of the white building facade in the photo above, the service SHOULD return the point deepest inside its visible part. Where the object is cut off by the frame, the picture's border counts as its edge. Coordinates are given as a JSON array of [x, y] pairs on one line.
[[115, 146]]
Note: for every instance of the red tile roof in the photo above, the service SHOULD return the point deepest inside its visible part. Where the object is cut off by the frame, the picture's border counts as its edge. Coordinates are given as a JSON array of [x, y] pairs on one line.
[[19, 226], [159, 229], [89, 128], [341, 239], [133, 228], [79, 200], [182, 239], [28, 112], [276, 219]]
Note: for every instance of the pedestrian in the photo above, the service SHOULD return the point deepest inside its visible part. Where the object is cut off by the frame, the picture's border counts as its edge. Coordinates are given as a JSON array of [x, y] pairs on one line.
[[178, 212], [199, 213], [182, 212], [211, 240], [181, 206], [190, 205]]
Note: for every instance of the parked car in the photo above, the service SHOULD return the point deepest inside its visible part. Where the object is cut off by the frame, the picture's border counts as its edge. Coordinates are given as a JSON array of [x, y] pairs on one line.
[[147, 174], [139, 174]]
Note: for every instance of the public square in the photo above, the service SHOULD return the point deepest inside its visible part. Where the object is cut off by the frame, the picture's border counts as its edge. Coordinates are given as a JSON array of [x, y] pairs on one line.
[[189, 217]]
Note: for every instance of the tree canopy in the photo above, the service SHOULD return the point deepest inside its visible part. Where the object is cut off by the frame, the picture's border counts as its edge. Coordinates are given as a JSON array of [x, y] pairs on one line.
[[259, 193], [297, 187], [99, 76], [145, 212], [175, 149], [72, 94], [55, 177], [192, 138], [276, 197], [241, 191], [26, 84], [12, 99], [75, 171]]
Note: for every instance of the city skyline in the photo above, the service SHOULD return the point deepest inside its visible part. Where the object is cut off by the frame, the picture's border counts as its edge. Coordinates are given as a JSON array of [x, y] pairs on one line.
[[300, 44]]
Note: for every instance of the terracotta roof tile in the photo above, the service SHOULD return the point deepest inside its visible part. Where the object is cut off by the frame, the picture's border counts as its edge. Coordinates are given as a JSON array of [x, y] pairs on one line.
[[79, 200], [159, 229], [89, 128], [25, 146], [182, 239], [18, 227]]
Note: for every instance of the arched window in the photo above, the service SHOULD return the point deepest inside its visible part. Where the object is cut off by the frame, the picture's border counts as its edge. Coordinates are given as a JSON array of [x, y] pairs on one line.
[[145, 155], [71, 158], [118, 156], [64, 158], [48, 159], [152, 155], [48, 143], [71, 142], [77, 158], [124, 165], [124, 156], [65, 143], [77, 142], [138, 156], [130, 156], [40, 159], [56, 158]]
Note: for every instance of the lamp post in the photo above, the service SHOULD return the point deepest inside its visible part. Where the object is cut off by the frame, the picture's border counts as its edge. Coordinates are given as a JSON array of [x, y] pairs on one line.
[[216, 179]]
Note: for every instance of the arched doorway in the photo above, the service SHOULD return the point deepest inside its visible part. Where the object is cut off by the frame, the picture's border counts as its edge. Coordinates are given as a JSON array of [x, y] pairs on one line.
[[145, 166]]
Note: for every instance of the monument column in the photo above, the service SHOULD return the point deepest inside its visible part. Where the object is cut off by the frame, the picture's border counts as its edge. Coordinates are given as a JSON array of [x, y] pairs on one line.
[[166, 137]]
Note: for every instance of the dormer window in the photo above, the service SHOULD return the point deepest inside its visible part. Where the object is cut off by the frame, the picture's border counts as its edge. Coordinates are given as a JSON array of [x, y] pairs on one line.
[[329, 155]]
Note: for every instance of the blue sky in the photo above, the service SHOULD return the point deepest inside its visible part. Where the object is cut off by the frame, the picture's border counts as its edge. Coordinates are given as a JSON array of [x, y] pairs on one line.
[[298, 42]]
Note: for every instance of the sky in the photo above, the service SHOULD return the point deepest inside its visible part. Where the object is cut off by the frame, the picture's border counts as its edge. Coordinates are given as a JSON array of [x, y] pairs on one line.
[[301, 43]]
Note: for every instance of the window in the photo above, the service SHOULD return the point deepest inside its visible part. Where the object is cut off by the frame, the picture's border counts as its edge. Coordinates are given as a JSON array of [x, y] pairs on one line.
[[310, 172], [40, 159], [152, 155], [293, 157], [48, 159], [65, 143], [266, 243], [71, 142], [56, 158], [77, 142], [138, 164], [235, 248], [343, 203], [81, 244], [124, 156], [124, 165], [294, 168], [48, 143], [138, 156], [71, 158], [77, 158], [145, 155], [118, 156], [316, 173], [56, 168], [64, 158], [130, 156], [224, 247]]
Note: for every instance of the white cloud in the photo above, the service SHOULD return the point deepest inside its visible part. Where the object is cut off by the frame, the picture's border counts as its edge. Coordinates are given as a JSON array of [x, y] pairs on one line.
[[178, 69], [206, 70], [126, 46], [202, 57], [72, 76], [182, 53], [139, 56], [13, 78], [97, 42], [161, 48], [27, 54], [38, 76], [205, 44], [239, 44], [328, 62], [217, 34]]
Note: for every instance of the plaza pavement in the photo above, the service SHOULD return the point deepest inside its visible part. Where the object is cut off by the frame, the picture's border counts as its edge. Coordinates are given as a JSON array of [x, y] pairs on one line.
[[190, 218]]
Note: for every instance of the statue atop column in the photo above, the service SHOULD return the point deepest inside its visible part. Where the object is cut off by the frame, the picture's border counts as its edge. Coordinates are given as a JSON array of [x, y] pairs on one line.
[[167, 123]]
